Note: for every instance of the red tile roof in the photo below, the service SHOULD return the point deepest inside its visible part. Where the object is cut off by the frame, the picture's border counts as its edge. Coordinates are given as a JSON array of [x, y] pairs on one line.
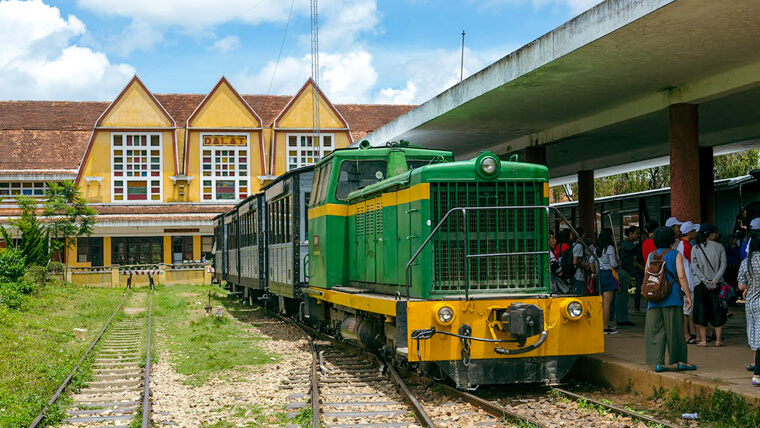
[[49, 136]]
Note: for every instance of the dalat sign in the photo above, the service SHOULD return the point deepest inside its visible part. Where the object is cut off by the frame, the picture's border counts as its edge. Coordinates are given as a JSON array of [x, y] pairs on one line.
[[225, 140]]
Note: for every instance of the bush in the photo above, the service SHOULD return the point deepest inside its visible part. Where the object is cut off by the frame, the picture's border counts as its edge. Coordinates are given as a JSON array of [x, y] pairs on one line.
[[11, 265], [13, 294], [36, 275], [55, 267]]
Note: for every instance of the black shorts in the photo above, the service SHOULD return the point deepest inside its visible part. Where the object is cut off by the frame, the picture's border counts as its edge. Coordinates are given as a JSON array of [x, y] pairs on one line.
[[707, 308]]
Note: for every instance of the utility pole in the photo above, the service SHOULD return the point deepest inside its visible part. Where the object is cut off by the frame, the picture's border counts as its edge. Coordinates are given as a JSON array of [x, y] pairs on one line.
[[461, 68], [315, 75]]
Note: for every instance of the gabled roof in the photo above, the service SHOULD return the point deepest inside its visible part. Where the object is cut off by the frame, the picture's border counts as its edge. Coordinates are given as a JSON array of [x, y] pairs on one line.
[[320, 94], [222, 82], [135, 81]]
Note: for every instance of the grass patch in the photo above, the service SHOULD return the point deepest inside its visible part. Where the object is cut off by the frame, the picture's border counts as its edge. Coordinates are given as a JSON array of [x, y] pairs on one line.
[[719, 409], [39, 347], [200, 346]]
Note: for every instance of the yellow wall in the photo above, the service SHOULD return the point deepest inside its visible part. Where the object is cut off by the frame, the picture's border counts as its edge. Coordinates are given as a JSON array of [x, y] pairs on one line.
[[340, 141], [98, 164], [301, 115], [167, 249], [223, 109], [136, 109], [196, 247]]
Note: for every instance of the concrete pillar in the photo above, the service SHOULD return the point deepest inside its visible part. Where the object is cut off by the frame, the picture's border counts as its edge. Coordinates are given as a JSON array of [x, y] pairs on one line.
[[586, 211], [684, 163], [707, 184], [535, 154]]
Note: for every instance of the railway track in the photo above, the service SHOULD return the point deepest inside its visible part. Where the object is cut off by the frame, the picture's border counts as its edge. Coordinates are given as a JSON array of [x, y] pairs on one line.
[[357, 389], [120, 387]]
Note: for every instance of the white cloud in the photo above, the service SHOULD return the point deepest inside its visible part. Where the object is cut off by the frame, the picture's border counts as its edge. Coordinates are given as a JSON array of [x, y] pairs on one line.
[[38, 60], [196, 14], [431, 73], [226, 44], [138, 35], [345, 78], [574, 6]]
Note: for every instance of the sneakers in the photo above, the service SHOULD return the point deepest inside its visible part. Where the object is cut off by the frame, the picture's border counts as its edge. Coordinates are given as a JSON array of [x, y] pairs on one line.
[[755, 381], [610, 331], [611, 327]]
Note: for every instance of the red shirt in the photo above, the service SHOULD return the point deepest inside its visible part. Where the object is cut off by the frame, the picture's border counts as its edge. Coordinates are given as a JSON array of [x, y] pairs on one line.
[[686, 249], [559, 249], [647, 247]]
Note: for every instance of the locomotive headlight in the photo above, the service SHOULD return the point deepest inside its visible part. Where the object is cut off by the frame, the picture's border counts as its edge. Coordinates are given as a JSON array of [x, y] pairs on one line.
[[572, 309], [488, 165], [444, 314]]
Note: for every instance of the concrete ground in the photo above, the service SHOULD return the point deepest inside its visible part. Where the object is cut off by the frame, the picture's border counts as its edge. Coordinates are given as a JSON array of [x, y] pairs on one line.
[[623, 363]]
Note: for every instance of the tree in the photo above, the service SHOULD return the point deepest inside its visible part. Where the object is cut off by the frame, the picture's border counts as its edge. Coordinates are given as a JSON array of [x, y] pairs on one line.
[[34, 242], [65, 216]]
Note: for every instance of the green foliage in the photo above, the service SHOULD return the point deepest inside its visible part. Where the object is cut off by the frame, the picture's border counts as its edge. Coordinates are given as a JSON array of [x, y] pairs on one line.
[[724, 166], [12, 264], [41, 336], [67, 214], [36, 275], [717, 409], [56, 267]]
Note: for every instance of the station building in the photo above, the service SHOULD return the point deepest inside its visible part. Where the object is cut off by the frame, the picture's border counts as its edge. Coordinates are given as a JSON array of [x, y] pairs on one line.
[[158, 167]]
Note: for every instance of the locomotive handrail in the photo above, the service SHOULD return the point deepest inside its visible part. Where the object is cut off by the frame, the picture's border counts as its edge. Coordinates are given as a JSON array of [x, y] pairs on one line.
[[467, 254]]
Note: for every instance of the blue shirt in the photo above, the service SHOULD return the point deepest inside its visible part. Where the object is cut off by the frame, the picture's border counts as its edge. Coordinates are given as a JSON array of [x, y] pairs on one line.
[[744, 250], [674, 298]]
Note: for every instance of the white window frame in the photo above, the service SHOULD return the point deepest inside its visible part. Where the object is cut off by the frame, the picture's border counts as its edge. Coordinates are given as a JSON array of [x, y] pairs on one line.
[[320, 152], [149, 178], [213, 177], [21, 186]]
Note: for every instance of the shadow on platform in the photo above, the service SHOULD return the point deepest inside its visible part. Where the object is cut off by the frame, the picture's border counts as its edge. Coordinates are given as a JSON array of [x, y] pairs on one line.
[[622, 366]]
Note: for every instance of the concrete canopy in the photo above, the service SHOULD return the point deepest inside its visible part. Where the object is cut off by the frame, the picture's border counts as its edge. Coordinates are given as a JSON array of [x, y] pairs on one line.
[[596, 90]]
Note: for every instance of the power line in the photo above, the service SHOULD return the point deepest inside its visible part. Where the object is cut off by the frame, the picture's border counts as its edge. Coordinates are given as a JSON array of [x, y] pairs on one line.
[[282, 45]]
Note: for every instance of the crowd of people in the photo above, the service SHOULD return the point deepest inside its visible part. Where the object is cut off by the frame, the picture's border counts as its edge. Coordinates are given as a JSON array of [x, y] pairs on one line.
[[704, 278]]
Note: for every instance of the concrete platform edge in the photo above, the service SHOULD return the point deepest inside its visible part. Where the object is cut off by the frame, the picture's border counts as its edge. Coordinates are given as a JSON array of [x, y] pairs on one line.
[[626, 376]]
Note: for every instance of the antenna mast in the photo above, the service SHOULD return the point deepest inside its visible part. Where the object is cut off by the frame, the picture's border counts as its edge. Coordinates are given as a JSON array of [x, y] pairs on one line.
[[315, 74]]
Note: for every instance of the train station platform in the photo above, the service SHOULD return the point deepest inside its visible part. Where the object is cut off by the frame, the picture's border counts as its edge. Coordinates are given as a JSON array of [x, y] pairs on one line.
[[622, 366]]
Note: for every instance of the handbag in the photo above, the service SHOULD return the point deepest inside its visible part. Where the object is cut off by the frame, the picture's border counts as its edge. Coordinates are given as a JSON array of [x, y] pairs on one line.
[[590, 288]]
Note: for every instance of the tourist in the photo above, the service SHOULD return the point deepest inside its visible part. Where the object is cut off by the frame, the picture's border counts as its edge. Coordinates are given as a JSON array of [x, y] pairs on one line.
[[582, 263], [741, 225], [749, 281], [733, 260], [664, 322], [648, 245], [558, 284], [708, 264], [608, 284], [628, 271], [564, 239], [675, 224], [688, 232]]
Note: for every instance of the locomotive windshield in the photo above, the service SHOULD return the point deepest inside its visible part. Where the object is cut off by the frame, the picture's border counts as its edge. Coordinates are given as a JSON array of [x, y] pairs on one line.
[[357, 174]]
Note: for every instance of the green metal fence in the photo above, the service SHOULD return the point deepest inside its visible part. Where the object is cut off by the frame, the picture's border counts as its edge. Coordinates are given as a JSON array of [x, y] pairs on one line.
[[496, 242]]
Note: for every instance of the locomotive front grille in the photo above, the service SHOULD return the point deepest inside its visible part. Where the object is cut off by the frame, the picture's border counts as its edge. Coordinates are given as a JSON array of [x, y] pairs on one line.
[[488, 232]]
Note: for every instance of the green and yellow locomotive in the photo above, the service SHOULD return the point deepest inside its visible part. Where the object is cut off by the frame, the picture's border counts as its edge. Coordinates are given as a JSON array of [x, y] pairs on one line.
[[440, 263]]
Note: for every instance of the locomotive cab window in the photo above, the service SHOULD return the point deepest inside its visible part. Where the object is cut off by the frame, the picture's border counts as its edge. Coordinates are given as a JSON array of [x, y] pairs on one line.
[[357, 174]]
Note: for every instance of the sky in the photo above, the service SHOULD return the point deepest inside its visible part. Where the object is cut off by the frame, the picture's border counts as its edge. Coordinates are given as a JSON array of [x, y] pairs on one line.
[[370, 51]]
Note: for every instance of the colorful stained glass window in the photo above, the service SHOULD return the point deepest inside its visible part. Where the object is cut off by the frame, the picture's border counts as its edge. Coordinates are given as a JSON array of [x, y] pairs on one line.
[[306, 149], [30, 188], [136, 160], [224, 167]]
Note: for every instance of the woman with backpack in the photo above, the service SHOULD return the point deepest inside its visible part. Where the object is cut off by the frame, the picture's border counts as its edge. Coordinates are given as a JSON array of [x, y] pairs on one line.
[[749, 281], [708, 264], [664, 323], [608, 283]]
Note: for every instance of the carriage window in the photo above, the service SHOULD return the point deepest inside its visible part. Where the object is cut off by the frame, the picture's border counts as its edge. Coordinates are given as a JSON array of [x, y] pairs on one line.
[[317, 179], [324, 182], [358, 174]]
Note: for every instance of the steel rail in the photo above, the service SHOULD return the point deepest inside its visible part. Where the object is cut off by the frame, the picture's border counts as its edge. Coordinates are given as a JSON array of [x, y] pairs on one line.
[[314, 368], [419, 411], [616, 409], [67, 381], [489, 407], [146, 408]]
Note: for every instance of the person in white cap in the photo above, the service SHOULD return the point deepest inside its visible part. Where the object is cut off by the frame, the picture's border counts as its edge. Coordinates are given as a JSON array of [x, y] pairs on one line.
[[673, 222], [753, 225], [688, 232]]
